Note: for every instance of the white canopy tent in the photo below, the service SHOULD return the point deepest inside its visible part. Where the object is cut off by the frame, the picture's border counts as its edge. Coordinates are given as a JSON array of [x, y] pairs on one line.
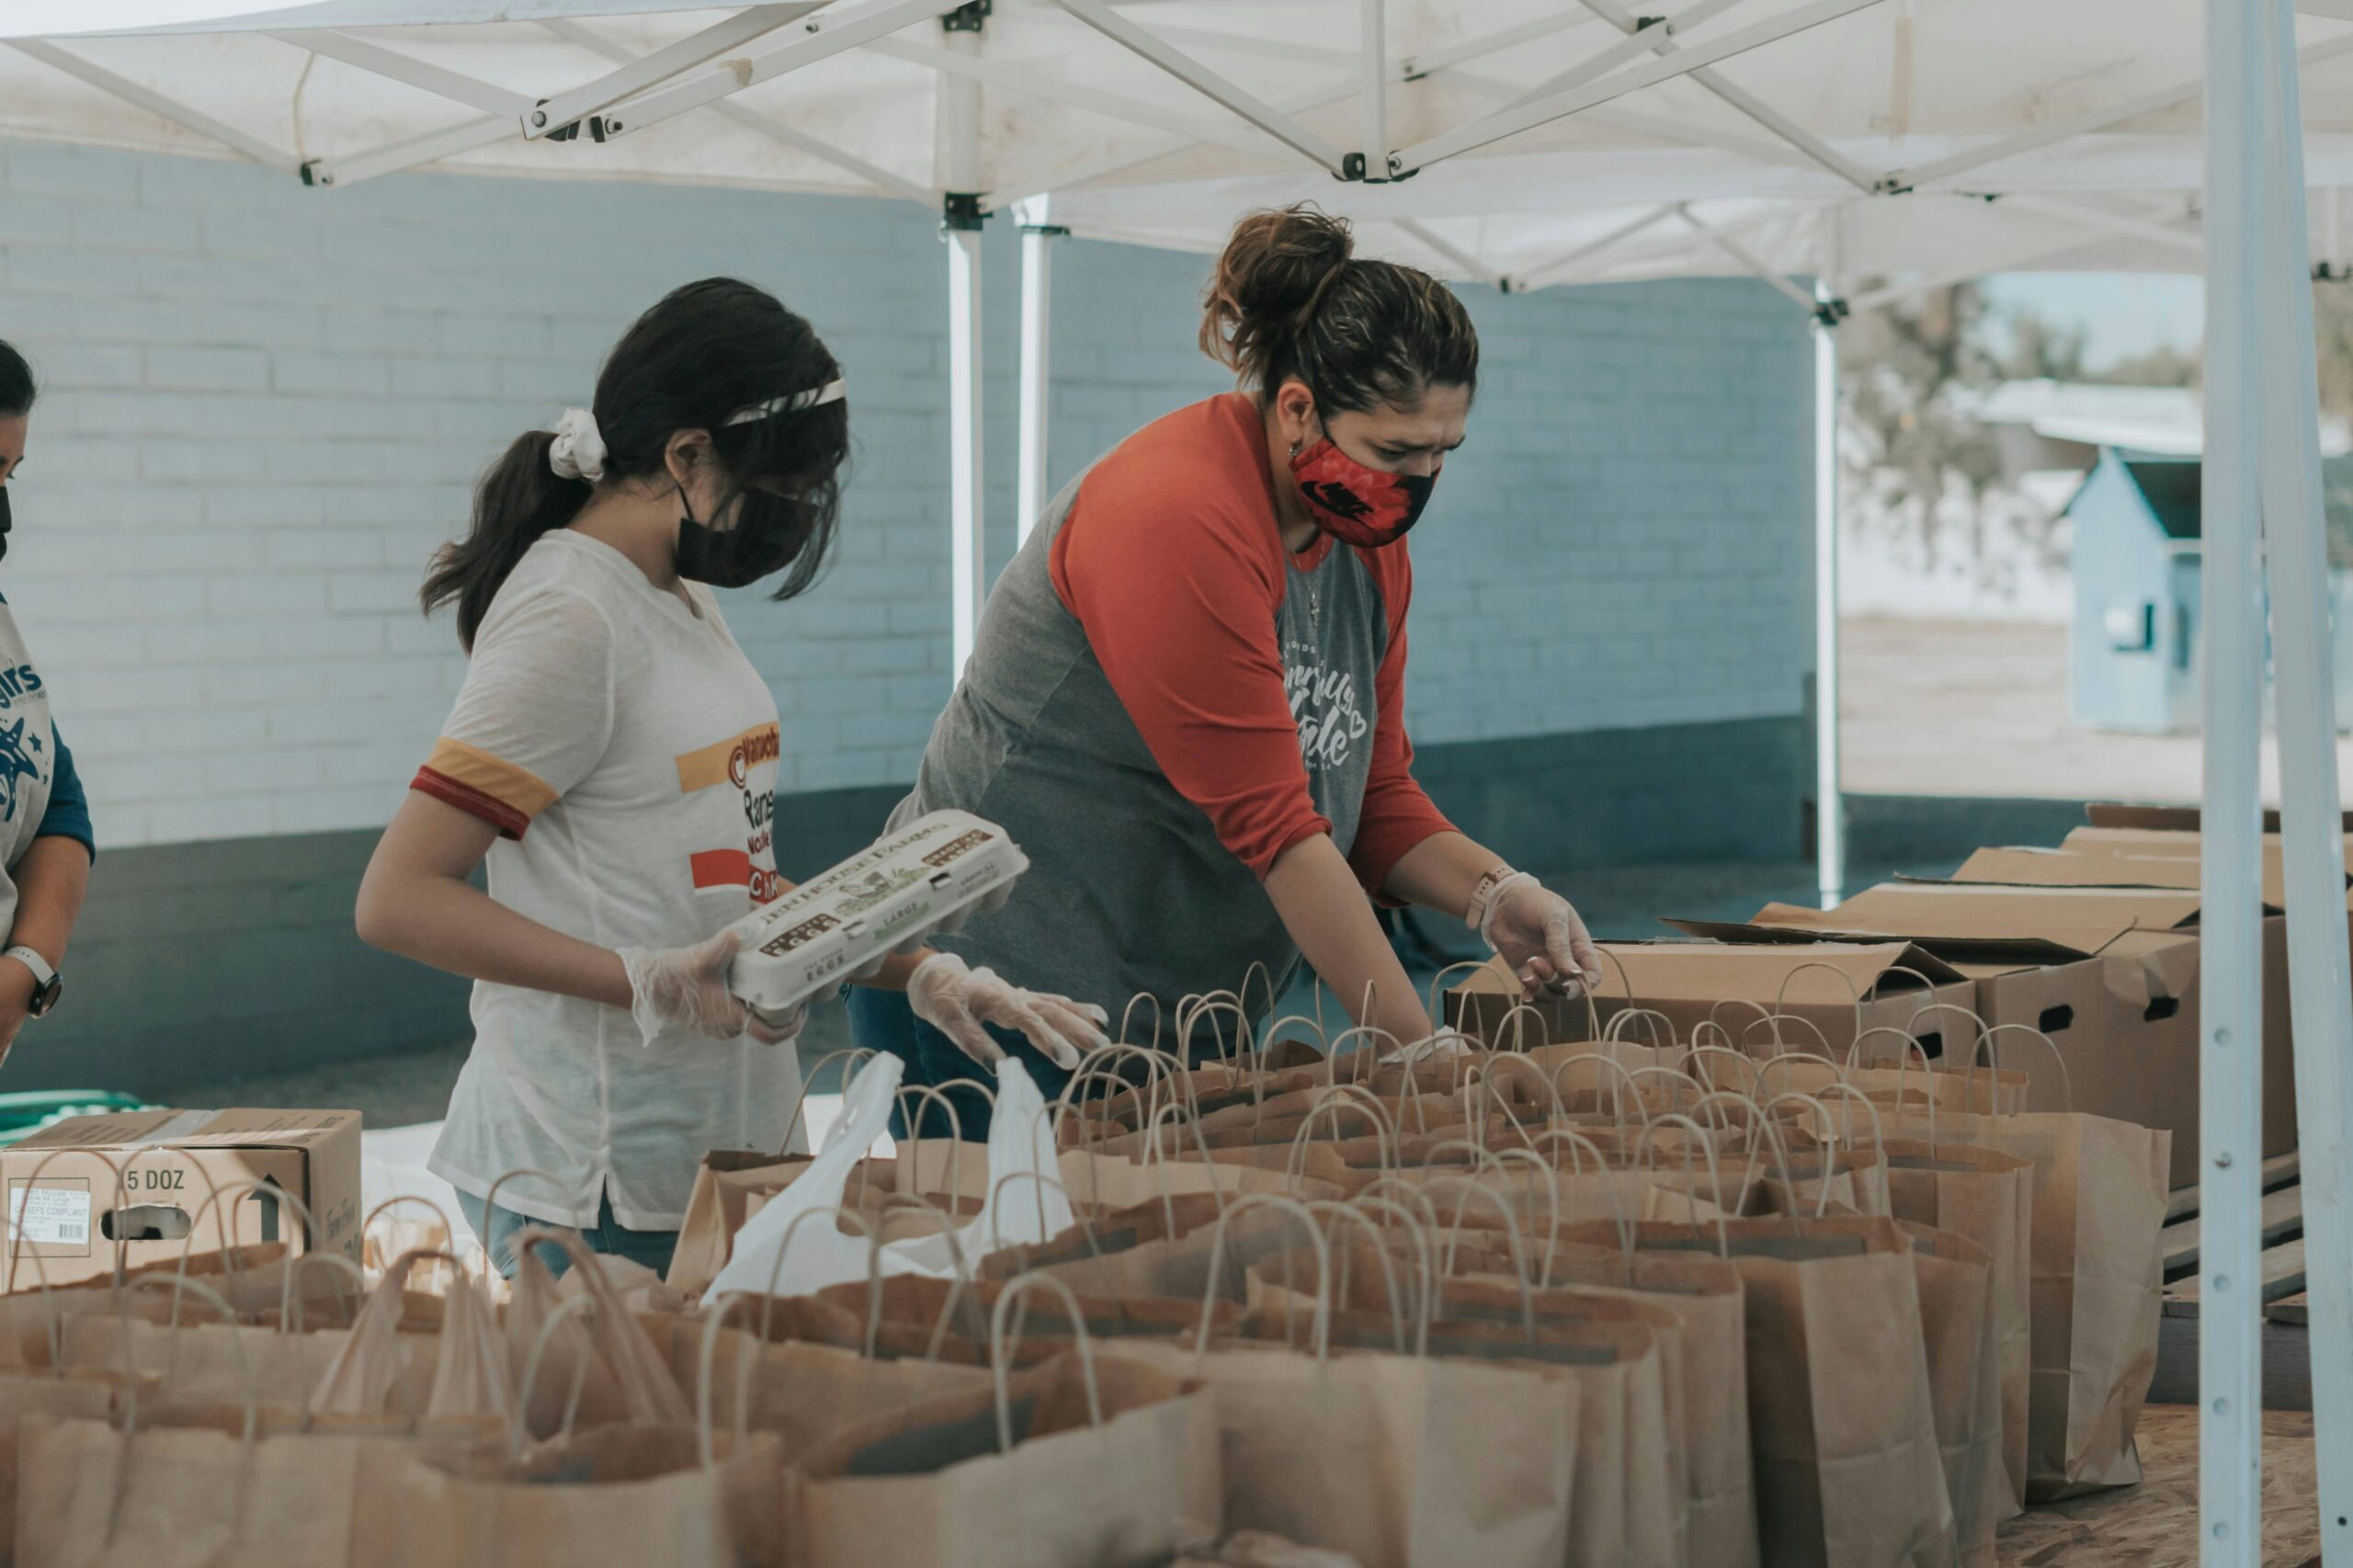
[[1515, 143]]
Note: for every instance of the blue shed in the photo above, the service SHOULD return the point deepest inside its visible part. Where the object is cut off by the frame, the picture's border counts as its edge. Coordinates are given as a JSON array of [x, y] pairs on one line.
[[2134, 649]]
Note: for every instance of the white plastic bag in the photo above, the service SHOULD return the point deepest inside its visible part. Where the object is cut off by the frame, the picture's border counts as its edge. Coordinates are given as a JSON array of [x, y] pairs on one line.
[[820, 1253]]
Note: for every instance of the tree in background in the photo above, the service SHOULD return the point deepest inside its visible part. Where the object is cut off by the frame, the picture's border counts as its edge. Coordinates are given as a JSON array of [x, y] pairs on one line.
[[1915, 462]]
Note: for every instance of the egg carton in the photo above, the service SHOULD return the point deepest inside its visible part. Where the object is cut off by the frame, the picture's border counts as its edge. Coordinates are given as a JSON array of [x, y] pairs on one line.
[[927, 879]]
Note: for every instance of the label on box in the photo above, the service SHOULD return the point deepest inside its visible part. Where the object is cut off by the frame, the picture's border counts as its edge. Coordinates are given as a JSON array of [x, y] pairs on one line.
[[51, 1216]]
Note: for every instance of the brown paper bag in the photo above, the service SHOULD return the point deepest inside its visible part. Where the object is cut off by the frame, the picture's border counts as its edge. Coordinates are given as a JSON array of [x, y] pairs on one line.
[[1068, 1464], [634, 1495], [1964, 1382], [213, 1362], [802, 1393], [369, 1373], [589, 1342], [1157, 1249], [1400, 1461], [2097, 1283], [1627, 1496], [1703, 1293], [168, 1497], [1988, 1197], [88, 1395], [1849, 1470]]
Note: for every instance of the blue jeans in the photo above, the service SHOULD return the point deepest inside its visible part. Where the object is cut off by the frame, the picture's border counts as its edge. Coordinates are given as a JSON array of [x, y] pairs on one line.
[[881, 1020], [497, 1232]]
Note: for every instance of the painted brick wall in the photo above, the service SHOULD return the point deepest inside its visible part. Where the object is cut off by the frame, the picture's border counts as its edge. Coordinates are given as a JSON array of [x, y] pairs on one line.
[[265, 405]]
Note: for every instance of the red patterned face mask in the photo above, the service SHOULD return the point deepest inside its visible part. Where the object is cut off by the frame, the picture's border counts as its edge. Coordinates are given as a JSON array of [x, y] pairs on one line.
[[1354, 503]]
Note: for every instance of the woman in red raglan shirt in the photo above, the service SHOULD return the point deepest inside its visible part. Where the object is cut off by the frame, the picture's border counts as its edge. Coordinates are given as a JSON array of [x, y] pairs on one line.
[[1186, 699]]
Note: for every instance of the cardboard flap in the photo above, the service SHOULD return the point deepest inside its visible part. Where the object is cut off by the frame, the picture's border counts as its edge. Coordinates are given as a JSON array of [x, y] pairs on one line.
[[1980, 922], [1709, 971]]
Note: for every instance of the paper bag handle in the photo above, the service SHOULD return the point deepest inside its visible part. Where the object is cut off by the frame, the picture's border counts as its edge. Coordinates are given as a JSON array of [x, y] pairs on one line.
[[1619, 1031], [490, 1205], [1127, 1017], [1913, 1028], [1322, 1327], [1577, 1141], [1747, 1063], [394, 1201], [1781, 997], [999, 1352], [1704, 1144], [1985, 1042], [1617, 1091], [1829, 1150], [1470, 1188], [1332, 1100], [239, 1189], [1339, 1210], [851, 1057], [1438, 983]]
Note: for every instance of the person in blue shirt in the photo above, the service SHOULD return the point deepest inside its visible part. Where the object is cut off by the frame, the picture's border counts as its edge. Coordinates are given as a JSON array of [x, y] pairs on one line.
[[46, 844]]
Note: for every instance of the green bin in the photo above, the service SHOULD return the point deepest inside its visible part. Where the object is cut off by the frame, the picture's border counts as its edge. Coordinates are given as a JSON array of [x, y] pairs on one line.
[[24, 1114]]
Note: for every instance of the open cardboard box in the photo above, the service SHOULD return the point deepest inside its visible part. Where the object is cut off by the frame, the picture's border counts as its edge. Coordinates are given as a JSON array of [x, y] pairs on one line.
[[2111, 974], [2167, 819], [67, 1211], [1688, 982]]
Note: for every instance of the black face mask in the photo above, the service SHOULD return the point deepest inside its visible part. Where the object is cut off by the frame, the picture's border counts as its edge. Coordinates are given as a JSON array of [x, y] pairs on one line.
[[4, 520], [765, 540]]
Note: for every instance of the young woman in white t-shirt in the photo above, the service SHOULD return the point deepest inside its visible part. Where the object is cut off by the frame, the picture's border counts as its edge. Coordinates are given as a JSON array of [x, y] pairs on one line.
[[613, 757]]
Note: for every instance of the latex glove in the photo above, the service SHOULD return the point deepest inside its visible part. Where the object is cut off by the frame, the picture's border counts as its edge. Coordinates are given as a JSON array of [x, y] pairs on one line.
[[1443, 1046], [957, 1000], [687, 987], [1540, 936]]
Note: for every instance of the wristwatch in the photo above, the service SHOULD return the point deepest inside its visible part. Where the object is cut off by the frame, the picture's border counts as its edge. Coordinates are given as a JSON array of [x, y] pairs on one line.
[[47, 984]]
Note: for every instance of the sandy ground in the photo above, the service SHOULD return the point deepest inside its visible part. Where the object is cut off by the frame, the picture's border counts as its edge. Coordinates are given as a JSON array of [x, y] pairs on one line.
[[1980, 707]]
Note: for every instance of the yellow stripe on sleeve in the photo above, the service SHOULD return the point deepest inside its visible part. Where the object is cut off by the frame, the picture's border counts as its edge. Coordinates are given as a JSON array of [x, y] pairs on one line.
[[519, 788]]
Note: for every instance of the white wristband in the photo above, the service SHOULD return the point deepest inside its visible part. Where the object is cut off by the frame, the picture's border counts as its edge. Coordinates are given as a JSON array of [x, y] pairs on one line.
[[1485, 913]]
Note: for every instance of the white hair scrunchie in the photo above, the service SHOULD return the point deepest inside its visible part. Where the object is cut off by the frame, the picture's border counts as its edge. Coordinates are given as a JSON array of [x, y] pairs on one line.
[[579, 449]]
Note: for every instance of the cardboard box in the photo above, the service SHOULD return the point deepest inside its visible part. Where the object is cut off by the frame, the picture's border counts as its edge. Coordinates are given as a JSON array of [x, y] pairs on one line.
[[2167, 819], [2111, 974], [64, 1197], [2100, 867], [1818, 981]]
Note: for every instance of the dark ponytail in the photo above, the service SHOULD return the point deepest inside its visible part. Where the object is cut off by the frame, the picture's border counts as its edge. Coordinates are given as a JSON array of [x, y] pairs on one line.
[[516, 501], [17, 389], [1290, 301], [707, 352]]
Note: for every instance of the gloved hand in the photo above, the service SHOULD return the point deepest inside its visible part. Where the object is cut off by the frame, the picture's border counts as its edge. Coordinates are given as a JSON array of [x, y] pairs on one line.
[[688, 986], [1540, 936], [957, 1000]]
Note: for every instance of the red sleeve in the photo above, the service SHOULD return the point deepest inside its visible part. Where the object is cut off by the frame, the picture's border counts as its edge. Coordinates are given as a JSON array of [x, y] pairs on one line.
[[1176, 581], [1396, 814]]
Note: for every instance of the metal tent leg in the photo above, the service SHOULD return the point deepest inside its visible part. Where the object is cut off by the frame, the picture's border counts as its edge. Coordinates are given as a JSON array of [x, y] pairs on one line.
[[2230, 1373], [1038, 237], [1829, 801], [2319, 969]]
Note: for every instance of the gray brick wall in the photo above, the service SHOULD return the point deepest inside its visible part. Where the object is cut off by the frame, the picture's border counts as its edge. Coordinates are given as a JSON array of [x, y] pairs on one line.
[[265, 405]]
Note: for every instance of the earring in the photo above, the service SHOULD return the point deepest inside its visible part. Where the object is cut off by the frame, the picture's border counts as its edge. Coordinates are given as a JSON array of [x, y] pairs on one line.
[[1294, 449]]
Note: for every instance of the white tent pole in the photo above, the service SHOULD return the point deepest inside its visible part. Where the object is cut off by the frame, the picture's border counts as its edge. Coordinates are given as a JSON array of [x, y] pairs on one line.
[[431, 147], [1829, 798], [1512, 121], [1469, 49], [1638, 42], [883, 179], [959, 133], [392, 64], [1219, 89], [1660, 41], [2230, 1019], [155, 103], [1038, 237], [644, 75], [2084, 125], [1758, 265], [1374, 104], [1470, 265], [1014, 78], [1593, 247], [2080, 210], [2320, 969], [845, 25]]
